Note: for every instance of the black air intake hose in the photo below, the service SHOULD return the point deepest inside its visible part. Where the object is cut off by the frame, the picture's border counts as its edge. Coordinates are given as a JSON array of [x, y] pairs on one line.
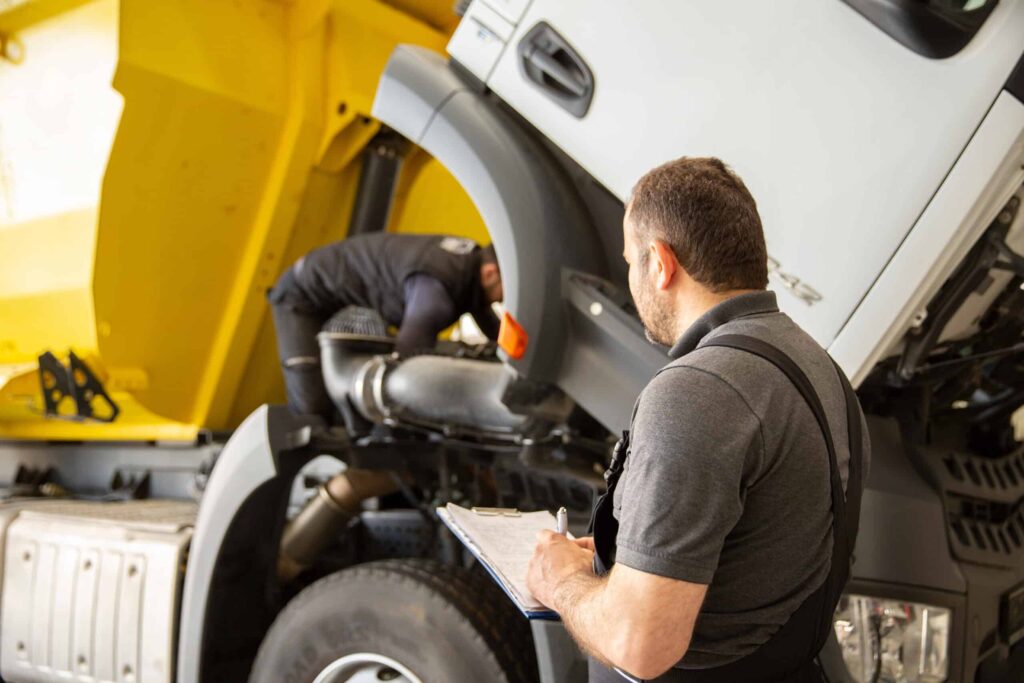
[[348, 341]]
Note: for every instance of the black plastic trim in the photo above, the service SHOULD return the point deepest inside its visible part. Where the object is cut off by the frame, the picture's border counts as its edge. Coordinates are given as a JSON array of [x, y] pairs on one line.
[[382, 164], [548, 61], [923, 26], [1015, 83], [537, 221]]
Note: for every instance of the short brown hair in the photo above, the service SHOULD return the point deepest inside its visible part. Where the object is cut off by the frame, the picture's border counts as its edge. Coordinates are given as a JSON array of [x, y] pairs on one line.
[[701, 209], [488, 254]]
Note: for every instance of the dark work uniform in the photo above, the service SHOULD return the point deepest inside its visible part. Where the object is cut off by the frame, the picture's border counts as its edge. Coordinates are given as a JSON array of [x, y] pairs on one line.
[[419, 283], [726, 479]]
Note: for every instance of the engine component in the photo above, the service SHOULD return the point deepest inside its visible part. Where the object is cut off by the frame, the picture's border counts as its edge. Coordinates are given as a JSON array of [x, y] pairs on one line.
[[355, 320], [991, 253], [326, 515], [342, 354], [433, 391], [382, 163], [438, 390]]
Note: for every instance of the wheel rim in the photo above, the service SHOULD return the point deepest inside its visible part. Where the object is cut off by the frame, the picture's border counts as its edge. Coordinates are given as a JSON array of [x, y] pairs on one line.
[[366, 667]]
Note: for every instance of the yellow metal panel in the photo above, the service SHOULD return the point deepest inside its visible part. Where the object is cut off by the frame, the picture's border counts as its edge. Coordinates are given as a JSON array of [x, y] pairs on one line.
[[45, 277], [239, 149], [437, 14], [48, 253], [323, 218], [58, 115], [202, 186], [21, 418], [275, 214], [33, 12], [363, 34], [232, 51]]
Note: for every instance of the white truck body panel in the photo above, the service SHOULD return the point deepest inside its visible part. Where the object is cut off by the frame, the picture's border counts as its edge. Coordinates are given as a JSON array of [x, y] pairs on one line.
[[985, 176], [842, 134]]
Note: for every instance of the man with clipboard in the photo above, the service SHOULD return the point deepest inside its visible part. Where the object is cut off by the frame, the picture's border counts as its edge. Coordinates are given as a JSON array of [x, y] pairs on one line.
[[722, 545]]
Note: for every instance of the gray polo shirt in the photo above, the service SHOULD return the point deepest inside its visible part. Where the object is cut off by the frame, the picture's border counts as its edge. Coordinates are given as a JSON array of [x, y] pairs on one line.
[[727, 480]]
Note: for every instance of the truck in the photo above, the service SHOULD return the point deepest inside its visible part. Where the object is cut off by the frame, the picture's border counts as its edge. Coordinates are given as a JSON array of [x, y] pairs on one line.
[[165, 518]]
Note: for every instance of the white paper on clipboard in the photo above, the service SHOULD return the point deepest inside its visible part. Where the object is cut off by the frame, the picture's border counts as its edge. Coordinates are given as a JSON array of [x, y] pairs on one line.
[[504, 544]]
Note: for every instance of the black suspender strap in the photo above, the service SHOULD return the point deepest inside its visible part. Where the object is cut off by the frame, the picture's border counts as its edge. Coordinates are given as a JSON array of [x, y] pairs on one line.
[[854, 483], [789, 654], [844, 527]]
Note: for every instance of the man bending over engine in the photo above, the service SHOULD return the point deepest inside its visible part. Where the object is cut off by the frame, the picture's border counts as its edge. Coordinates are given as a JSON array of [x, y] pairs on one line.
[[420, 283]]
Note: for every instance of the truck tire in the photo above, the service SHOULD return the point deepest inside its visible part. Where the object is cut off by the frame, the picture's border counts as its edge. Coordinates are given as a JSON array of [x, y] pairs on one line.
[[415, 621]]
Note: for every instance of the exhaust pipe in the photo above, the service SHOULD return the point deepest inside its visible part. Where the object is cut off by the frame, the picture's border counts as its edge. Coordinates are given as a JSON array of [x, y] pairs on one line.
[[326, 516]]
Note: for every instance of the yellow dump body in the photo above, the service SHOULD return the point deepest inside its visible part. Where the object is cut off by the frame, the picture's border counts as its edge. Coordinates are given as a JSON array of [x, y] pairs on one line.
[[160, 164]]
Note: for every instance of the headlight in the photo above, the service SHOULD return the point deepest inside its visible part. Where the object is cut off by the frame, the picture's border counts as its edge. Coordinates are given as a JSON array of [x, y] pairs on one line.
[[893, 642]]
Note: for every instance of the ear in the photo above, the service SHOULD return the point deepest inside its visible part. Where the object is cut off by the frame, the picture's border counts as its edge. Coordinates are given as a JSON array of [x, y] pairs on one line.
[[489, 273], [665, 262]]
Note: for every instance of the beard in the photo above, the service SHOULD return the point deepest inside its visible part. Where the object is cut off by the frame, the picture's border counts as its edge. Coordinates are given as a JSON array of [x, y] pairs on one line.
[[493, 292], [658, 322]]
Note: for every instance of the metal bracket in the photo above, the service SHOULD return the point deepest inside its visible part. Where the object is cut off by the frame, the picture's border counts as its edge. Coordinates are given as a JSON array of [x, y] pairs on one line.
[[990, 253], [78, 382], [54, 381], [31, 482], [129, 485]]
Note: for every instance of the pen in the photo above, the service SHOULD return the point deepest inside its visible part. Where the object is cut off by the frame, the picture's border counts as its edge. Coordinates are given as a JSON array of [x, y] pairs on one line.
[[562, 521]]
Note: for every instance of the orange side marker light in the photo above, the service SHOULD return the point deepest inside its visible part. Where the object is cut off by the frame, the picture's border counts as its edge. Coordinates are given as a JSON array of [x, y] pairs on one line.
[[512, 338]]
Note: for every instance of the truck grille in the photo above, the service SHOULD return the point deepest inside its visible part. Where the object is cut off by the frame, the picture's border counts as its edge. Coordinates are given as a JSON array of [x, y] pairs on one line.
[[987, 533], [984, 501]]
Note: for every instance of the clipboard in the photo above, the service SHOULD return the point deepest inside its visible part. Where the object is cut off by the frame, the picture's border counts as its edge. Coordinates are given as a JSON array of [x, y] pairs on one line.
[[502, 540]]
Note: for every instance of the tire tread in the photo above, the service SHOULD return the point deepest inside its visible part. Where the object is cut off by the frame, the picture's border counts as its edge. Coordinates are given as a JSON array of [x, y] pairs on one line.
[[504, 631]]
